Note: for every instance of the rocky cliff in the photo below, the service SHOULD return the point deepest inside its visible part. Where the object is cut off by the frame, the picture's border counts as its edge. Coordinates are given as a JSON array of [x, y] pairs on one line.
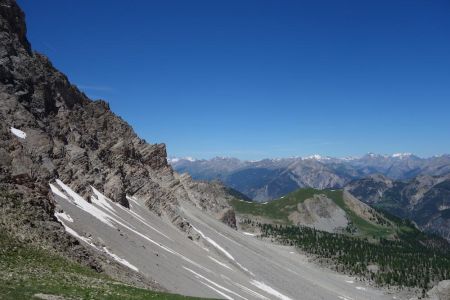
[[50, 130]]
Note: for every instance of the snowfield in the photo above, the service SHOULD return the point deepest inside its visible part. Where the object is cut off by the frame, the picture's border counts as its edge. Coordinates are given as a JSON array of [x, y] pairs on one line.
[[223, 263]]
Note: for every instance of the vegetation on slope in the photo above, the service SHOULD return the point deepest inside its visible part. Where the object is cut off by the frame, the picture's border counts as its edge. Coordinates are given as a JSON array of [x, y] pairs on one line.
[[279, 210], [408, 262], [26, 271], [378, 246]]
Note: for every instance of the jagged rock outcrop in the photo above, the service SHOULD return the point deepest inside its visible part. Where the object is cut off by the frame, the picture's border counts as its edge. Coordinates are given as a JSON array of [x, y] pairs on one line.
[[50, 130], [211, 197]]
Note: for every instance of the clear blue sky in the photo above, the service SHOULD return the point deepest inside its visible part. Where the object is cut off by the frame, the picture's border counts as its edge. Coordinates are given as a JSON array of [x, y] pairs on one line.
[[255, 79]]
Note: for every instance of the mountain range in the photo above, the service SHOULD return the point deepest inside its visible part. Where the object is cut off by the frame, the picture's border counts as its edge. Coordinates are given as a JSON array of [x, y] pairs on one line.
[[272, 178], [89, 210]]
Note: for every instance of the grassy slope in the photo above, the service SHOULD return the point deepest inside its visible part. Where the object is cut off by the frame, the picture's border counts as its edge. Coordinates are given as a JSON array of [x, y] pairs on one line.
[[279, 210], [25, 271]]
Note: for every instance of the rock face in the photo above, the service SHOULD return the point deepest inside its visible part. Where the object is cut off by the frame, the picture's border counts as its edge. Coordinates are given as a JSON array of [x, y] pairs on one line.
[[272, 178], [424, 199], [50, 130], [440, 291], [320, 213]]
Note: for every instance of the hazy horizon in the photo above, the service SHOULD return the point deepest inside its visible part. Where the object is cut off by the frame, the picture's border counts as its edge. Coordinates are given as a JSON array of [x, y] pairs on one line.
[[311, 156]]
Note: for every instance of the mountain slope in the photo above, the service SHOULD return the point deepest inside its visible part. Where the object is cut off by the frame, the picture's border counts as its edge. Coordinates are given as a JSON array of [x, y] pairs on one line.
[[79, 187], [77, 184], [210, 259], [333, 211], [347, 235], [425, 199], [50, 130], [39, 274]]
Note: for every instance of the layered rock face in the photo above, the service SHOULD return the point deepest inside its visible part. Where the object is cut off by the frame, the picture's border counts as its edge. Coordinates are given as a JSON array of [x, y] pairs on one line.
[[49, 130]]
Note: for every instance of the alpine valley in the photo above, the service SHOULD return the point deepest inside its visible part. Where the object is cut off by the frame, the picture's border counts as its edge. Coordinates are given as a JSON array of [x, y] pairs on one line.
[[89, 210], [401, 184]]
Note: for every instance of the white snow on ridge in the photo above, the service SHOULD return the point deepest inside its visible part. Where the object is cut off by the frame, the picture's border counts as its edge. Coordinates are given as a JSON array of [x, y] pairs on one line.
[[121, 260], [177, 159], [316, 157], [401, 155], [270, 290], [19, 133]]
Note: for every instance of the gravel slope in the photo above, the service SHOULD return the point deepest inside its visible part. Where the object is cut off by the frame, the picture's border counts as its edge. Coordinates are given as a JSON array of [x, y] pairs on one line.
[[218, 262]]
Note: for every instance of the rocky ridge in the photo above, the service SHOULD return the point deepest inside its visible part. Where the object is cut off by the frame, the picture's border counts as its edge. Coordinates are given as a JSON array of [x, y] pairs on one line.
[[50, 130]]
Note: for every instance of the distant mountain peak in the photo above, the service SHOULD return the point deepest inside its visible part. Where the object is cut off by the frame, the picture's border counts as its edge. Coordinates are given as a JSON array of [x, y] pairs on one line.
[[317, 157], [402, 155], [177, 159]]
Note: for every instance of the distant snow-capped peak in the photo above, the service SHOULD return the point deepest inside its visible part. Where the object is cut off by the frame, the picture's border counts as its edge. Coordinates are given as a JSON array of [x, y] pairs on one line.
[[402, 155], [317, 157], [177, 159]]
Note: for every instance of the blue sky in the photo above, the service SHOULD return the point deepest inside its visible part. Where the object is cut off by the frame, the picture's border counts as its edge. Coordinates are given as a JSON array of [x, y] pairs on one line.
[[255, 79]]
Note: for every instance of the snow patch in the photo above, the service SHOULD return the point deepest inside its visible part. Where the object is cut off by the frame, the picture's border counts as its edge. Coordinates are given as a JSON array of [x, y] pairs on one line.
[[270, 290], [401, 155], [19, 133], [120, 260], [250, 291], [140, 218], [249, 233], [221, 249], [86, 206], [349, 281], [316, 157], [212, 242], [101, 199], [75, 234], [64, 216], [217, 291], [220, 263], [57, 192], [213, 283], [360, 288]]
